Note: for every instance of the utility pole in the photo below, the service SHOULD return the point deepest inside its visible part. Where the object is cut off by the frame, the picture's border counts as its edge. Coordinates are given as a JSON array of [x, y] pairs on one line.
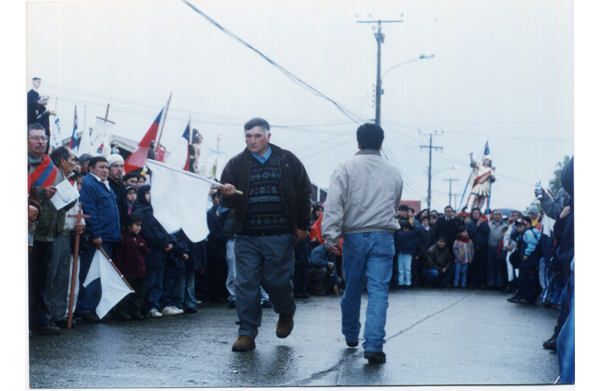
[[450, 191], [379, 37], [431, 147]]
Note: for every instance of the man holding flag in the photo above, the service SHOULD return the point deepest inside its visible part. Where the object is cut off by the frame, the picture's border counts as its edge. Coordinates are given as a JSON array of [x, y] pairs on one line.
[[44, 176]]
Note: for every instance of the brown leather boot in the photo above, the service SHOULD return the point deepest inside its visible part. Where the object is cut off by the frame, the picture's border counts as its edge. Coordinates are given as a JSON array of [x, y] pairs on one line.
[[285, 324], [244, 343]]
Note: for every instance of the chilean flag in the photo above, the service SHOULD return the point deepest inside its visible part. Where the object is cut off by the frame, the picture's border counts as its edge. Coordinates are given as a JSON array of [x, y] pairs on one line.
[[138, 158], [73, 143], [179, 157]]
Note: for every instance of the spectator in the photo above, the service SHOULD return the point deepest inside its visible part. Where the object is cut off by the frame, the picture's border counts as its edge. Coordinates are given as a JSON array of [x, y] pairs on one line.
[[60, 266], [131, 197], [405, 240], [317, 211], [116, 166], [448, 226], [533, 215], [438, 267], [323, 273], [412, 219], [264, 248], [98, 201], [128, 255], [174, 277], [478, 231], [425, 240], [527, 238], [554, 206], [131, 179], [84, 160], [463, 256], [510, 246], [496, 267], [160, 243], [44, 177], [216, 270]]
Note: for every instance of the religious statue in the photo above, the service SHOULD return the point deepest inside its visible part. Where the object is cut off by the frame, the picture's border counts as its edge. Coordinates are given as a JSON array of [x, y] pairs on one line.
[[195, 163], [481, 180]]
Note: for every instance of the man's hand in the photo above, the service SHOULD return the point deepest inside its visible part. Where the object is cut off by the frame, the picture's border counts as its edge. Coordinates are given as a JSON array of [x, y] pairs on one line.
[[300, 235], [32, 214], [479, 221], [79, 227], [185, 257], [50, 191], [331, 249], [444, 271], [169, 248], [330, 266], [335, 290], [227, 190], [97, 243], [525, 258]]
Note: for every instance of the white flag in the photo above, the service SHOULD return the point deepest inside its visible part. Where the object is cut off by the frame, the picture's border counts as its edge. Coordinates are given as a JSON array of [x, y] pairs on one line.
[[178, 200], [55, 136], [114, 289], [102, 132]]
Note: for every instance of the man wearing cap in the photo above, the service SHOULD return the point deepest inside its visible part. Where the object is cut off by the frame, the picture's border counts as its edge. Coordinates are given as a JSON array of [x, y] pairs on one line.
[[99, 202], [481, 180], [271, 215], [116, 167]]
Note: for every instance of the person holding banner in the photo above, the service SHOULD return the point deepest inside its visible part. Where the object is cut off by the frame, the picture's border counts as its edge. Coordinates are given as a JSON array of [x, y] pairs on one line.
[[272, 213]]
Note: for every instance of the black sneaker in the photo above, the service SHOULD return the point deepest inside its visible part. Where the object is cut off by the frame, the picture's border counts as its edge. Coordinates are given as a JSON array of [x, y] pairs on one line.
[[191, 310], [266, 304], [375, 357], [46, 330], [550, 344], [515, 299], [352, 344]]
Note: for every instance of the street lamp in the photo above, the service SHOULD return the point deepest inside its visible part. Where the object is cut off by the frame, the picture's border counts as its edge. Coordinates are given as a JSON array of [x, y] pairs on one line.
[[379, 89]]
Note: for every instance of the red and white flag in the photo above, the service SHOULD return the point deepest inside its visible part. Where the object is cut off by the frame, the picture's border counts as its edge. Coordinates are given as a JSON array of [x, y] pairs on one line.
[[138, 158], [180, 155]]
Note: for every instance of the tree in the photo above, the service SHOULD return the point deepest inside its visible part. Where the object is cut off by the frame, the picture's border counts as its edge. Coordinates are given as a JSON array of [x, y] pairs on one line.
[[555, 184]]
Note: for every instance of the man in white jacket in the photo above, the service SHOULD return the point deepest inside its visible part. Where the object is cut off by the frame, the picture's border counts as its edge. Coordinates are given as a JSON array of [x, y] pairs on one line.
[[364, 192]]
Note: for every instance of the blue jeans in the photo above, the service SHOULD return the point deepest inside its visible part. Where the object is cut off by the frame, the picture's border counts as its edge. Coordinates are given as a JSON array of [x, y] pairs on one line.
[[460, 273], [153, 288], [432, 276], [189, 296], [173, 291], [404, 271], [367, 254]]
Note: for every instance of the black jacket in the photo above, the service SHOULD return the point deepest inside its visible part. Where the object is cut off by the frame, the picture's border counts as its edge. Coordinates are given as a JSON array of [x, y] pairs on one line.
[[295, 185]]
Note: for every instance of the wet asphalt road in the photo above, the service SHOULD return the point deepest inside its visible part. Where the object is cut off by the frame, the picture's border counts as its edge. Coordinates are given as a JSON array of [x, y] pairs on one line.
[[434, 337]]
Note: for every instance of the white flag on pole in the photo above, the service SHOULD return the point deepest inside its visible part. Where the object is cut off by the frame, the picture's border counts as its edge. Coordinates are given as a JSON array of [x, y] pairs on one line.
[[178, 200], [102, 132], [114, 289]]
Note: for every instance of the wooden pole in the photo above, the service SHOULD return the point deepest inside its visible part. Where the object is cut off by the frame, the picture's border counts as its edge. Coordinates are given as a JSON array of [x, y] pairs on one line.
[[79, 216], [113, 265]]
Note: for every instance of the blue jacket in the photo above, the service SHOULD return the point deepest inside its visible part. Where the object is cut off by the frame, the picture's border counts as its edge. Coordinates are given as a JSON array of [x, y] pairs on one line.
[[478, 234], [527, 243], [406, 242], [100, 204], [157, 239]]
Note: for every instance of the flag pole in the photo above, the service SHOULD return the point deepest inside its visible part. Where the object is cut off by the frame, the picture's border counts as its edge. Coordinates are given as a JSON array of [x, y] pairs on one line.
[[79, 216], [163, 123], [113, 265]]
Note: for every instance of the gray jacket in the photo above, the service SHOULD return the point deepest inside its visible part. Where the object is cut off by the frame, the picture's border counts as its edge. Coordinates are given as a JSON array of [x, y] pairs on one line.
[[363, 194], [495, 232]]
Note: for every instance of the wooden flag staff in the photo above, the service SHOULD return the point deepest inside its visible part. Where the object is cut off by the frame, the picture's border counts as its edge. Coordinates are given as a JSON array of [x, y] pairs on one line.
[[79, 216], [113, 265]]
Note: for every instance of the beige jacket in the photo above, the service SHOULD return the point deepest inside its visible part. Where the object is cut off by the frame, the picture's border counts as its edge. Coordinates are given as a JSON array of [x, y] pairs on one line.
[[363, 194]]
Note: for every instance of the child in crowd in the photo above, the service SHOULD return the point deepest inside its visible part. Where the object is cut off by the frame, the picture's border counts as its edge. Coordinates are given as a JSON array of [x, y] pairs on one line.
[[425, 240], [131, 193], [463, 256], [174, 277], [128, 255], [159, 243], [406, 248]]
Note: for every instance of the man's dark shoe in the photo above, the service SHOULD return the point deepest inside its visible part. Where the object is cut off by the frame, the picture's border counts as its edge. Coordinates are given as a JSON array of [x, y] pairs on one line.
[[137, 317], [352, 344], [48, 329], [90, 318], [244, 343], [514, 299], [191, 310], [285, 325], [375, 357], [550, 344], [231, 303], [525, 301], [63, 323]]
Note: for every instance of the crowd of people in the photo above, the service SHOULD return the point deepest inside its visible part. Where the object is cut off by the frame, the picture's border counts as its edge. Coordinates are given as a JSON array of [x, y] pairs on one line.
[[528, 256]]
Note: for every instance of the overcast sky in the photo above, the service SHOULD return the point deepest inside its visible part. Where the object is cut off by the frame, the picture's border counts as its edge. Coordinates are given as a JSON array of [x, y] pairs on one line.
[[502, 72]]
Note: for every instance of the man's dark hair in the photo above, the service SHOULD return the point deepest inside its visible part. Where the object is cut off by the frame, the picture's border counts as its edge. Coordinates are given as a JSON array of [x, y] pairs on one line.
[[130, 175], [517, 212], [369, 136], [58, 154], [526, 218], [257, 122], [35, 78], [132, 218], [442, 238], [35, 126], [76, 175], [84, 158], [452, 209], [459, 230], [473, 210], [411, 209], [424, 218], [403, 207], [405, 224], [95, 160]]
